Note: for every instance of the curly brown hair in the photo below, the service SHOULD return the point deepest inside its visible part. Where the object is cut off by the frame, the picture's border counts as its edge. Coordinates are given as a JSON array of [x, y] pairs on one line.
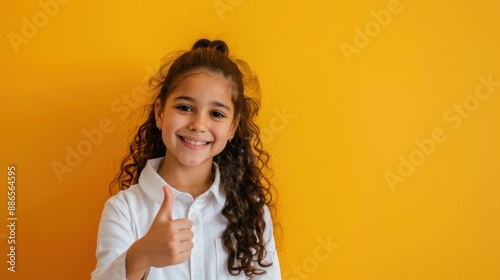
[[243, 164]]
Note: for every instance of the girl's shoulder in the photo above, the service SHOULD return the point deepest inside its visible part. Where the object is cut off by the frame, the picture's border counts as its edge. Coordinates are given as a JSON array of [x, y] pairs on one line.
[[126, 199]]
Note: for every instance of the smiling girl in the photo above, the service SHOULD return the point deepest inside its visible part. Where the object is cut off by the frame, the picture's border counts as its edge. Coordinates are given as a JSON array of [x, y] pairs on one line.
[[195, 198]]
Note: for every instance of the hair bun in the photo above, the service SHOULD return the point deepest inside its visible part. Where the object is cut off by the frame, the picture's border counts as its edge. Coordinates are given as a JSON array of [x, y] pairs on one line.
[[217, 45]]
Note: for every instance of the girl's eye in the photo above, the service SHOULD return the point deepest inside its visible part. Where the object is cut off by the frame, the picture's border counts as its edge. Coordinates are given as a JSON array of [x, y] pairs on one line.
[[217, 114], [184, 108]]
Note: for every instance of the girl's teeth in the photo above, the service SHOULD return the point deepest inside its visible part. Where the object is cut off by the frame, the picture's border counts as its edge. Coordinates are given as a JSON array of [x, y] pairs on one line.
[[196, 143]]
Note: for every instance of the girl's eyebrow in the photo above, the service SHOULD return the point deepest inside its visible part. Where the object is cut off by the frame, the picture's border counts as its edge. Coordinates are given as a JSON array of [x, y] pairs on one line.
[[214, 103]]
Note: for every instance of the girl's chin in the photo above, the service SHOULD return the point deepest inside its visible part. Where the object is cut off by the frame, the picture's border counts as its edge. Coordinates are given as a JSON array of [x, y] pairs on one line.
[[195, 162]]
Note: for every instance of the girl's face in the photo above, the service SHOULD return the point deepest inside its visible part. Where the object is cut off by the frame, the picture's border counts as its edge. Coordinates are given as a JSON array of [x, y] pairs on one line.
[[197, 119]]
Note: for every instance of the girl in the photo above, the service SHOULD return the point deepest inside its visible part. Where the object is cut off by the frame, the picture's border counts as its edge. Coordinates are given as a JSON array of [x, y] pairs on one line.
[[195, 200]]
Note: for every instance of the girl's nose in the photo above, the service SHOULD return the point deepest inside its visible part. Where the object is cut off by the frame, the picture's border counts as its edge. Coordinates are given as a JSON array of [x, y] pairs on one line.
[[198, 123]]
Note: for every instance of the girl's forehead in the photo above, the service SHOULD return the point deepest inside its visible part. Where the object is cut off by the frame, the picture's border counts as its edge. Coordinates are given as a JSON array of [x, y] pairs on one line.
[[203, 85], [203, 81]]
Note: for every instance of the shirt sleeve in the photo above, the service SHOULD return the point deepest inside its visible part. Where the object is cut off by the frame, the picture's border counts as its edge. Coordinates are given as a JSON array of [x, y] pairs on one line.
[[272, 272], [114, 237]]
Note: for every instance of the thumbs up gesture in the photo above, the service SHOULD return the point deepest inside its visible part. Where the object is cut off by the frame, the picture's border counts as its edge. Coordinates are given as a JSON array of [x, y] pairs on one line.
[[167, 242], [171, 239]]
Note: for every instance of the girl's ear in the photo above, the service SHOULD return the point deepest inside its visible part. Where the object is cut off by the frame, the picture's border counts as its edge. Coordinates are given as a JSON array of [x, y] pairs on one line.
[[158, 112], [233, 128]]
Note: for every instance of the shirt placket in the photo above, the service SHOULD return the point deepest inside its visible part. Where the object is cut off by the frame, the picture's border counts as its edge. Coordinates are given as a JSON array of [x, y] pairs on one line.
[[197, 255]]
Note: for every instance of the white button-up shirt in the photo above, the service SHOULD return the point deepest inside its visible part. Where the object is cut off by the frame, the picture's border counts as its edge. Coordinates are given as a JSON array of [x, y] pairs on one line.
[[128, 215]]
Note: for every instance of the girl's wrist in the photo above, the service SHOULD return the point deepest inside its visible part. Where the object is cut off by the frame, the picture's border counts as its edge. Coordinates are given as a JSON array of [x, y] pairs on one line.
[[135, 264]]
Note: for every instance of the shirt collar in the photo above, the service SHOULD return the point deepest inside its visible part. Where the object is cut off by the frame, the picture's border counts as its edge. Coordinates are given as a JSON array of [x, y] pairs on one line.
[[152, 183]]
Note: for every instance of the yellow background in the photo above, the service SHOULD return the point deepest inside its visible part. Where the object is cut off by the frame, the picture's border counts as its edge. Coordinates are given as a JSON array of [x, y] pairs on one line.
[[349, 119]]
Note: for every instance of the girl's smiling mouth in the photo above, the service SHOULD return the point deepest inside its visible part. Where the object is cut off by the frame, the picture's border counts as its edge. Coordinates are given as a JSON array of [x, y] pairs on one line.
[[194, 142]]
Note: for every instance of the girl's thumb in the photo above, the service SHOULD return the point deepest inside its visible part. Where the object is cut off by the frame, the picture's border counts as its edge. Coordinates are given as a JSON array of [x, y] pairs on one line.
[[165, 212]]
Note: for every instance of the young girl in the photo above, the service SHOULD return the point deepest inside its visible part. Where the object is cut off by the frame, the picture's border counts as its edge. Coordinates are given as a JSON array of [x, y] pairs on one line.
[[195, 196]]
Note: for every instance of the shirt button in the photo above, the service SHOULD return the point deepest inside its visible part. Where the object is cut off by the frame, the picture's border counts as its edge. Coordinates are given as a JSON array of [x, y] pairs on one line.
[[195, 221]]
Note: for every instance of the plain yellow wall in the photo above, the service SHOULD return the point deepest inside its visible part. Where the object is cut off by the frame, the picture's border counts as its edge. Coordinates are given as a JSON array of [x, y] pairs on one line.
[[382, 118]]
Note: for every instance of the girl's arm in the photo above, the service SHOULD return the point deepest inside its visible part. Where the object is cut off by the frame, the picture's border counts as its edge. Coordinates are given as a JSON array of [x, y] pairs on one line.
[[115, 237], [120, 256]]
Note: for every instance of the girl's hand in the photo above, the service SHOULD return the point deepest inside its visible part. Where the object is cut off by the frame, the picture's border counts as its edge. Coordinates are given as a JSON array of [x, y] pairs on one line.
[[167, 242]]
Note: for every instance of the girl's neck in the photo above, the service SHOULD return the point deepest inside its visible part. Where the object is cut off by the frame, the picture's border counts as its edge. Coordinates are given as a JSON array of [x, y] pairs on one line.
[[193, 180]]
